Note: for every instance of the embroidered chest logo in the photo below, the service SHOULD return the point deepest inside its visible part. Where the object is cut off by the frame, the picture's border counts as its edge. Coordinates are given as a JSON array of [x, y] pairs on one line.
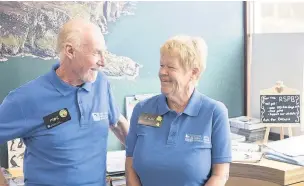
[[197, 138], [98, 116]]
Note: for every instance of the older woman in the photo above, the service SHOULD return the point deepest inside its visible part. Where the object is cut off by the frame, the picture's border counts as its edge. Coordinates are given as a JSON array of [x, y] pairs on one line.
[[180, 137]]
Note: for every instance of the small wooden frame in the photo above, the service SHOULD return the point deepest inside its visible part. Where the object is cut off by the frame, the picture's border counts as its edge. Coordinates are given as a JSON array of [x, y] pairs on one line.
[[280, 107]]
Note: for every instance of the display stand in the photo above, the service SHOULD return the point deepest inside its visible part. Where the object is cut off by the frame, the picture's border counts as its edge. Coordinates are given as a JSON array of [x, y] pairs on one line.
[[280, 107]]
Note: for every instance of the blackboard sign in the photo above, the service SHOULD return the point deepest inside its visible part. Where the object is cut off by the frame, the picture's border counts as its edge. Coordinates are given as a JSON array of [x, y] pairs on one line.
[[280, 108]]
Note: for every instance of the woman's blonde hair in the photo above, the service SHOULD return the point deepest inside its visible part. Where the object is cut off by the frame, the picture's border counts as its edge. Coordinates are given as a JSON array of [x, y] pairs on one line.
[[191, 51]]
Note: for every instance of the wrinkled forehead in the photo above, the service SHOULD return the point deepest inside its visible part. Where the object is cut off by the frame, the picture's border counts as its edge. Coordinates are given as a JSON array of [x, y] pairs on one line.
[[94, 39], [169, 59]]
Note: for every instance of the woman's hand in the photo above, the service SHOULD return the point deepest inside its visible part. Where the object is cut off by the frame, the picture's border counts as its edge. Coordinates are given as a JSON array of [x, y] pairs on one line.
[[220, 175], [131, 176]]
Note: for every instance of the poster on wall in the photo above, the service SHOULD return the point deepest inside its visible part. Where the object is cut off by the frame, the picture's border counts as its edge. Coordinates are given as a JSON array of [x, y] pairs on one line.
[[16, 149], [131, 101]]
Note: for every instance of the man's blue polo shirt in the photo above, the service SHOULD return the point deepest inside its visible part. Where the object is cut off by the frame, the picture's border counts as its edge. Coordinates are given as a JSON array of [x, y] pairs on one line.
[[182, 149], [72, 153]]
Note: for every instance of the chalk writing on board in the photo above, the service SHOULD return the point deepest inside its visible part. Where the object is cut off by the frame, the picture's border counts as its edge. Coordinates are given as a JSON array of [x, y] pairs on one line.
[[280, 108]]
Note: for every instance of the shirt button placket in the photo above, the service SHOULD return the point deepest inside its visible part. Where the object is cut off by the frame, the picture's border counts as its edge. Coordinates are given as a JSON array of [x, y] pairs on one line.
[[81, 110], [173, 132]]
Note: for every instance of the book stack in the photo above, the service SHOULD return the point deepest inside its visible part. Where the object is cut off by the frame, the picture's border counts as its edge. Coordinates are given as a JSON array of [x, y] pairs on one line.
[[251, 128]]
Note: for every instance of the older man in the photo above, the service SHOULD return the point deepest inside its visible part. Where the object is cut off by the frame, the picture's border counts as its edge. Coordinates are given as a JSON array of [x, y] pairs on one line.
[[64, 116]]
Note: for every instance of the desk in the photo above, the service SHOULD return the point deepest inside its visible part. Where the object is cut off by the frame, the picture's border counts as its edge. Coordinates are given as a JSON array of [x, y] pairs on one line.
[[18, 172], [265, 173]]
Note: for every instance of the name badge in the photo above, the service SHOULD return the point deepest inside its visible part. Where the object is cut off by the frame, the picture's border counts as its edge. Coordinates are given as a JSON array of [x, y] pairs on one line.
[[57, 118], [150, 120]]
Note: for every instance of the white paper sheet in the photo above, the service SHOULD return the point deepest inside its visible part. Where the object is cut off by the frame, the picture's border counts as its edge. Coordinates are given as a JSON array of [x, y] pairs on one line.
[[246, 156], [116, 161], [291, 146], [246, 152]]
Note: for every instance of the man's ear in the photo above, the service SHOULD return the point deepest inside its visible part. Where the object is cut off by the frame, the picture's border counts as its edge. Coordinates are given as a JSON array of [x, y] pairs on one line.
[[69, 51]]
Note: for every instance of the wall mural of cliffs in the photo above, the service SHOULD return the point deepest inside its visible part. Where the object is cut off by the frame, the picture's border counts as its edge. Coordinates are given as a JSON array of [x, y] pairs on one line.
[[30, 28]]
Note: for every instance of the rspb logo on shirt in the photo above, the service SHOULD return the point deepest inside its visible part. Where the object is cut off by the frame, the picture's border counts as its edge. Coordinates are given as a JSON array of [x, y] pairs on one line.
[[98, 116], [197, 138]]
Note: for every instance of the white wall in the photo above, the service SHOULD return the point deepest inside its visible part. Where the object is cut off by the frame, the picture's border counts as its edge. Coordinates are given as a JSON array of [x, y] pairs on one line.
[[276, 57]]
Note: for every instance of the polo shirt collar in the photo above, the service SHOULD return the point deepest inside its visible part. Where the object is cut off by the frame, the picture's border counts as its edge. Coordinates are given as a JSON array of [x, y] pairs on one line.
[[87, 86], [63, 87], [162, 106], [192, 109], [195, 103]]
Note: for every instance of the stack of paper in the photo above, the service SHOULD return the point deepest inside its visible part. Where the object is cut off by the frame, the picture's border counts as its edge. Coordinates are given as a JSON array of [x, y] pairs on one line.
[[281, 172], [289, 150], [247, 123], [116, 162], [249, 127], [273, 155], [237, 138], [119, 181], [250, 135], [246, 152]]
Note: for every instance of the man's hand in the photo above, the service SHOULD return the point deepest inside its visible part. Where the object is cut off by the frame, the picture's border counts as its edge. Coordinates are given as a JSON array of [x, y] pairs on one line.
[[120, 129]]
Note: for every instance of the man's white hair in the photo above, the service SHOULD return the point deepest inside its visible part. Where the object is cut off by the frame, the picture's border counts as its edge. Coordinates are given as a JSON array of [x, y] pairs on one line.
[[72, 33]]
